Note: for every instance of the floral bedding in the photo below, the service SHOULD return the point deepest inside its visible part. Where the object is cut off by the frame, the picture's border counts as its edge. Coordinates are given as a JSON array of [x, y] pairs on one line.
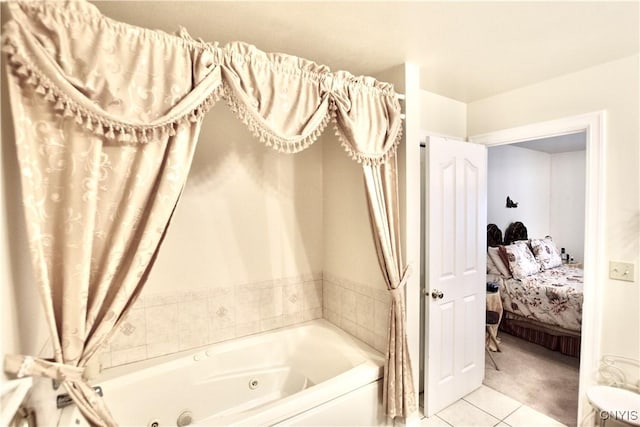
[[552, 296]]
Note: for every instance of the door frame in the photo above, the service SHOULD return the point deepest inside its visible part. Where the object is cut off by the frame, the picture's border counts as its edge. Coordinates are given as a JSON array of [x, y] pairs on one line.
[[594, 273]]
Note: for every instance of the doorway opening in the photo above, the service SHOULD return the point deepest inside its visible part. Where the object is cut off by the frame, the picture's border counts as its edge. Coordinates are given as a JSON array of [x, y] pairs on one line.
[[593, 127], [541, 184]]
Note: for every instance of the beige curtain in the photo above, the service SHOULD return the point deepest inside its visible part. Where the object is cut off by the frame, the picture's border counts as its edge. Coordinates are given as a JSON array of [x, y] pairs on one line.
[[382, 197], [98, 193], [96, 214], [106, 118]]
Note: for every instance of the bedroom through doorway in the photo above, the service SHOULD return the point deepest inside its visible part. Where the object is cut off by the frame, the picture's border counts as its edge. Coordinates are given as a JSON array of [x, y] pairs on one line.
[[536, 192]]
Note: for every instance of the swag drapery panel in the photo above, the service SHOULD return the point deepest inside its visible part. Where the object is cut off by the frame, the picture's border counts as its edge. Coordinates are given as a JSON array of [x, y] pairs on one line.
[[107, 116]]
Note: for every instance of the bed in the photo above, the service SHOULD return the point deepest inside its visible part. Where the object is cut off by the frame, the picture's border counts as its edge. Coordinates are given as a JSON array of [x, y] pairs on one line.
[[541, 296]]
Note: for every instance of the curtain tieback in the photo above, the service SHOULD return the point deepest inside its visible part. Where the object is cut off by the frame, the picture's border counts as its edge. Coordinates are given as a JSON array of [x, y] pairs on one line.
[[29, 366], [397, 292]]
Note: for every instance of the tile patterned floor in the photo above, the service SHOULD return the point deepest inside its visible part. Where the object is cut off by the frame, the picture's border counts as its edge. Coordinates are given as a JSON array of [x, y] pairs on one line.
[[486, 407]]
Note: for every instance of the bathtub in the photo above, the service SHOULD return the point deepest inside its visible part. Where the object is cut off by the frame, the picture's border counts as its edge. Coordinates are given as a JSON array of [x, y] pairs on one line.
[[308, 374]]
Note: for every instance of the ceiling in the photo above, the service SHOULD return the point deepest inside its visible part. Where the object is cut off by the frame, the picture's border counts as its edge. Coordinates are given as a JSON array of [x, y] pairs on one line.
[[557, 144], [465, 50]]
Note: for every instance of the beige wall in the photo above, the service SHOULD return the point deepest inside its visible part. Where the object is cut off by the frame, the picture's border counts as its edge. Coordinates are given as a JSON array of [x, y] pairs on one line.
[[612, 87], [442, 116], [349, 251], [243, 253], [248, 213]]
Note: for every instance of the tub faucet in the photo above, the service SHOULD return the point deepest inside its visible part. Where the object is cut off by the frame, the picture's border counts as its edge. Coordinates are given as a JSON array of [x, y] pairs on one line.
[[63, 400]]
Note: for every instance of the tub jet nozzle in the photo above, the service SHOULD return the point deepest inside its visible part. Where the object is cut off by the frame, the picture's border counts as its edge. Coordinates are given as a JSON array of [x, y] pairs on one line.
[[184, 419]]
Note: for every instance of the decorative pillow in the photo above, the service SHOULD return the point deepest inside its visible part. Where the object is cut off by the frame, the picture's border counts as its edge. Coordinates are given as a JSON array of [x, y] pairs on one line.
[[522, 263], [546, 252], [503, 270], [525, 241], [491, 267]]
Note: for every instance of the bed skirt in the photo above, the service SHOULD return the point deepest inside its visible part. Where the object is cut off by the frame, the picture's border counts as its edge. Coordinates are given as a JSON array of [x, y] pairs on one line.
[[565, 344]]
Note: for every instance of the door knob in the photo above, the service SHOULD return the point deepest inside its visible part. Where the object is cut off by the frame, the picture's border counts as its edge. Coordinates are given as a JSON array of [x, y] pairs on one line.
[[436, 294]]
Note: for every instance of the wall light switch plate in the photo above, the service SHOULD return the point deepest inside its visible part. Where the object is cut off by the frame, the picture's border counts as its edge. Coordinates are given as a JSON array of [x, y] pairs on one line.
[[621, 271]]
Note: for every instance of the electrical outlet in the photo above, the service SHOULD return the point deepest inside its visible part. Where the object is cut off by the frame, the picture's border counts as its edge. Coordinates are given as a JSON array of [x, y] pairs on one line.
[[621, 271]]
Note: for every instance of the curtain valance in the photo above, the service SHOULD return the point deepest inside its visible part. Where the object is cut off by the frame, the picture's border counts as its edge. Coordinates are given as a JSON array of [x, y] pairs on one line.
[[132, 84]]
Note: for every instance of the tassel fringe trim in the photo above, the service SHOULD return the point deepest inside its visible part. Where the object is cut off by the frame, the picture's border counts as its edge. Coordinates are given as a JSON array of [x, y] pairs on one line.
[[141, 134], [365, 159], [266, 135], [95, 123], [295, 145]]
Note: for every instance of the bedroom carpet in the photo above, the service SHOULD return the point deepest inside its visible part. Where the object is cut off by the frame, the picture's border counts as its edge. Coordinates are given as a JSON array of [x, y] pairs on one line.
[[537, 377]]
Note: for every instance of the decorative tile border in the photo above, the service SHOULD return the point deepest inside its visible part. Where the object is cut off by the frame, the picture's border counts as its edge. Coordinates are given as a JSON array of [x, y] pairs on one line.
[[160, 324], [360, 310], [166, 323]]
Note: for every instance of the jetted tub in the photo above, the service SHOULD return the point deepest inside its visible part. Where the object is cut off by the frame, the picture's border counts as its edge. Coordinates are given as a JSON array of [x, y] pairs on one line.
[[309, 374]]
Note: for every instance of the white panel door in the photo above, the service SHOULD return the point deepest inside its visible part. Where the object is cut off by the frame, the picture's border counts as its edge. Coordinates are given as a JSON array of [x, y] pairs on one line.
[[455, 270]]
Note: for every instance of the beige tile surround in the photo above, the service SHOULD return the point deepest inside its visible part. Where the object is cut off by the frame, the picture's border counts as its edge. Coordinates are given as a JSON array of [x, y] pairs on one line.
[[362, 311], [167, 323]]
